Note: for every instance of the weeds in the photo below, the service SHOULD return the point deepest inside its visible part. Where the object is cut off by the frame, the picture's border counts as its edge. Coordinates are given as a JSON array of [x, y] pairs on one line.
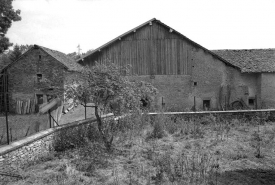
[[164, 150], [195, 168], [75, 137], [256, 143]]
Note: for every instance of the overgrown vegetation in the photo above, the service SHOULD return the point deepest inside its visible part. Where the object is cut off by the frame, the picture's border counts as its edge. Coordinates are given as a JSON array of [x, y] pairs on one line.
[[21, 126], [162, 150], [111, 91]]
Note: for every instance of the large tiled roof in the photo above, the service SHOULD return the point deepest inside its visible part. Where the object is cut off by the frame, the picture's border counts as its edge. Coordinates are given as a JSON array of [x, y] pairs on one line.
[[250, 60], [69, 62]]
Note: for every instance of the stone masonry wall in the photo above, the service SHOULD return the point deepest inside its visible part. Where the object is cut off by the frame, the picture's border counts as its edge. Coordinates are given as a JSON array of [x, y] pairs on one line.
[[177, 92], [245, 86], [267, 90], [23, 75], [15, 156]]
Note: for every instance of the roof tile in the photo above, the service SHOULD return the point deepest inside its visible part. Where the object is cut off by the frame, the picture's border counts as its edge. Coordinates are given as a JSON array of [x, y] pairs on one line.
[[69, 62], [250, 60]]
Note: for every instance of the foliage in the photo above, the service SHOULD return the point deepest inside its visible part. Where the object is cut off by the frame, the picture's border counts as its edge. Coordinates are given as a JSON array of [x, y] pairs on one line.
[[197, 168], [75, 137], [77, 56], [173, 159], [158, 130], [16, 53], [74, 55], [11, 55], [4, 60], [8, 15], [111, 91]]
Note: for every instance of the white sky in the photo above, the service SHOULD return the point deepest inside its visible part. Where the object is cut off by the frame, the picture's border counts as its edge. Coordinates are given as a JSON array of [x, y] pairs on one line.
[[214, 24]]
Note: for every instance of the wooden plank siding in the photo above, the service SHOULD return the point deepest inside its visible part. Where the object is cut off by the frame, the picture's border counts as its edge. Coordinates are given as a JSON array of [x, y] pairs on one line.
[[151, 50]]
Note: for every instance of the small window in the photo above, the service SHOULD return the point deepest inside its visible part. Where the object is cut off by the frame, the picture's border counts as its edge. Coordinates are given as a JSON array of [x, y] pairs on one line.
[[251, 101], [195, 83], [206, 104], [39, 99], [39, 77], [39, 56]]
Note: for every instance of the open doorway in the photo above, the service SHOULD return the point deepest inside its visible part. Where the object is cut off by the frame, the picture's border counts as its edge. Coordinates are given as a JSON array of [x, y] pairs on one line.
[[206, 105]]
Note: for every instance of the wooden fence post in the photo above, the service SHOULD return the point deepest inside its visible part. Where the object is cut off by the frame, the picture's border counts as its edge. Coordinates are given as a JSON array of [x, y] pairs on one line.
[[5, 88]]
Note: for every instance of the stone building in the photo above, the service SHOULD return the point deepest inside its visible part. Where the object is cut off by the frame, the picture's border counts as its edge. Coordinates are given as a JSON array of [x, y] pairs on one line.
[[186, 74], [256, 82], [39, 74]]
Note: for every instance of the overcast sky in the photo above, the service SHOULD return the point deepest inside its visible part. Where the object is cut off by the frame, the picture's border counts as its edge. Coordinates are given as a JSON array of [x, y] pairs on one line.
[[214, 24]]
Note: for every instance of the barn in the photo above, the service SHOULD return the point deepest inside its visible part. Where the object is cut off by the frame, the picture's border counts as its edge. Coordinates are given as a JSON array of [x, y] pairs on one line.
[[33, 79], [187, 75]]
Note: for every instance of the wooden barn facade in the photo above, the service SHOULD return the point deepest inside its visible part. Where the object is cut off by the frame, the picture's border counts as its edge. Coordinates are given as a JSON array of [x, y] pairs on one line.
[[152, 48], [186, 74]]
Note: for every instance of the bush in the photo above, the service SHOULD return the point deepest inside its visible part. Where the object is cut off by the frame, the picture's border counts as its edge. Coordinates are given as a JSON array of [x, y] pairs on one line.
[[197, 168], [69, 138], [206, 120], [158, 128]]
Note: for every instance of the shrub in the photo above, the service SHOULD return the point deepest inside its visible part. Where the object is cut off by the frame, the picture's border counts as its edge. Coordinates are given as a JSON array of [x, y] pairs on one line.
[[69, 138], [197, 168], [158, 128], [206, 120]]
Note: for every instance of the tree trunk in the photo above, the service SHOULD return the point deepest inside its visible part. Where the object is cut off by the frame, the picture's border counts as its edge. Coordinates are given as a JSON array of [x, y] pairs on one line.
[[107, 143]]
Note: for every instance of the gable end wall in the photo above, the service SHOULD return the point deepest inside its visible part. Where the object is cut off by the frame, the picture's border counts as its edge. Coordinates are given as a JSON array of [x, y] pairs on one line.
[[23, 75]]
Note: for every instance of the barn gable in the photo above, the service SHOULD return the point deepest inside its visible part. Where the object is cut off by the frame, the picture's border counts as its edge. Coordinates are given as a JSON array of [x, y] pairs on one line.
[[152, 48]]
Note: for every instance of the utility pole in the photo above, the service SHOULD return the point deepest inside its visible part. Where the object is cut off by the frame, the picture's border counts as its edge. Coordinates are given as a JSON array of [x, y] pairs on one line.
[[79, 50]]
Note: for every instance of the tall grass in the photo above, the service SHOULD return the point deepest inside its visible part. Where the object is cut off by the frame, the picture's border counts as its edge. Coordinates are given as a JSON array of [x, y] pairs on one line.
[[160, 150]]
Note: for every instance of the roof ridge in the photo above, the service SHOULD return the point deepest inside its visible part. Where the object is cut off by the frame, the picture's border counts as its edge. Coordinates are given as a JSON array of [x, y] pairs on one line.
[[117, 38], [54, 51], [158, 21], [64, 59]]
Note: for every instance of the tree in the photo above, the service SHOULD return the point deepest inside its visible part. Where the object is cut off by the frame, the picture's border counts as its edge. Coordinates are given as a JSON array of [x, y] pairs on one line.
[[4, 60], [11, 55], [24, 48], [7, 16], [16, 53], [111, 91], [77, 56], [74, 55]]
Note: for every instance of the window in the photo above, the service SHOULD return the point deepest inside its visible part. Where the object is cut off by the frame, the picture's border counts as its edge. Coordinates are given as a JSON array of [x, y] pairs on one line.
[[251, 101], [39, 77], [39, 57], [39, 99], [195, 83], [206, 104]]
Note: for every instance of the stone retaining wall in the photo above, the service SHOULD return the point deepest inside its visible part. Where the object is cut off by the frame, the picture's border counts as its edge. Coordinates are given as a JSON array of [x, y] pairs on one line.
[[18, 154]]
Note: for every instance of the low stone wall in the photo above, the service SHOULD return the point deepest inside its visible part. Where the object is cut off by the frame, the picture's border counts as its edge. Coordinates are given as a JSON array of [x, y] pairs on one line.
[[18, 154]]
